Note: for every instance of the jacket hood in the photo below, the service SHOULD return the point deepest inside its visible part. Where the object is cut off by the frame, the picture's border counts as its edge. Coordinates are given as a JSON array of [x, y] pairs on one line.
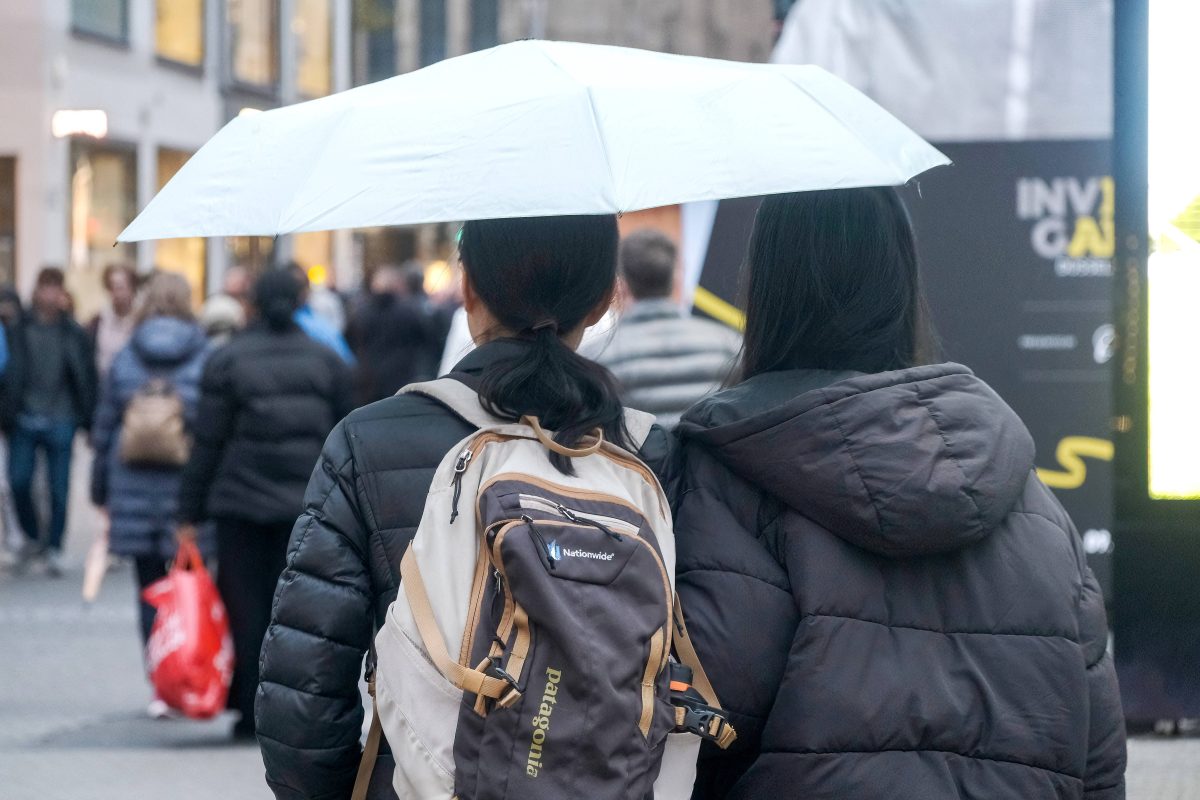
[[913, 462], [164, 340]]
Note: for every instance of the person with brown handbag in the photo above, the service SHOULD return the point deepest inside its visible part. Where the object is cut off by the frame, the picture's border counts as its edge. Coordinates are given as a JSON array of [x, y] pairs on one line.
[[142, 434]]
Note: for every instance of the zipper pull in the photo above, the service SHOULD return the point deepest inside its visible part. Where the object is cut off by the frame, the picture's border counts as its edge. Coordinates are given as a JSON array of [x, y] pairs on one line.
[[571, 515], [499, 582], [540, 541], [460, 466]]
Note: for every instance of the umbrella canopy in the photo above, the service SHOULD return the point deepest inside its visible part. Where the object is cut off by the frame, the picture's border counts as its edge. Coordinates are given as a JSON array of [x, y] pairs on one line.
[[535, 128]]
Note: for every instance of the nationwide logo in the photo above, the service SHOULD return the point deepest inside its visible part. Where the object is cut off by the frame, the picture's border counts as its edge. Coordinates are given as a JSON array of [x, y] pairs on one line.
[[556, 553]]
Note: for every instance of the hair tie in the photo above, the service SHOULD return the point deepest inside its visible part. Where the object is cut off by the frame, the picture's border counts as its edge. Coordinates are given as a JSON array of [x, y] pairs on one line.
[[546, 323]]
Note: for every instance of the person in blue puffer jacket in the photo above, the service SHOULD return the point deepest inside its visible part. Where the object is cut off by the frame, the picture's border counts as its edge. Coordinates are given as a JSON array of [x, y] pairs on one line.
[[141, 501]]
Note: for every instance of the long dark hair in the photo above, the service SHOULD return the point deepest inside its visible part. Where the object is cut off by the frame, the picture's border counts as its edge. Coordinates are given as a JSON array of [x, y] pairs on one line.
[[540, 278], [832, 283], [276, 297]]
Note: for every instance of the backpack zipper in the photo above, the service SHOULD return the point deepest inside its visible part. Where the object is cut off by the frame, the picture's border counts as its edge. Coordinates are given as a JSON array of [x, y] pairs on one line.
[[605, 523]]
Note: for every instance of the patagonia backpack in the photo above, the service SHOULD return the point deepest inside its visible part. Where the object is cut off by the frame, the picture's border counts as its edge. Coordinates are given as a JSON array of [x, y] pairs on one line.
[[529, 653], [153, 430]]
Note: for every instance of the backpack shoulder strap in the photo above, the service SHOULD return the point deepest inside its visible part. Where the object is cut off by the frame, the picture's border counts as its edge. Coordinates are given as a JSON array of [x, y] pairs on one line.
[[464, 401], [459, 398]]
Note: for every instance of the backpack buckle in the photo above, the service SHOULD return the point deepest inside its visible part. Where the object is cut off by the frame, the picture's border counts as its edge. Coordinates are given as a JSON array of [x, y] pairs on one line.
[[708, 723], [496, 671]]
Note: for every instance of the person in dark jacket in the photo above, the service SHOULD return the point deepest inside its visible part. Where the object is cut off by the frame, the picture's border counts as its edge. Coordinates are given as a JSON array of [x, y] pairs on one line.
[[49, 392], [142, 500], [368, 491], [665, 359], [391, 336], [884, 594], [268, 400]]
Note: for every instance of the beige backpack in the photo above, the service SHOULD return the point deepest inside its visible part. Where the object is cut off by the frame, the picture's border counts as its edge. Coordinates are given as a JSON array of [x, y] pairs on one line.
[[153, 431]]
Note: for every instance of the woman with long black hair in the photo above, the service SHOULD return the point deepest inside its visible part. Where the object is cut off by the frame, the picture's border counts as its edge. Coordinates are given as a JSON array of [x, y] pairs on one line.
[[531, 288], [268, 400], [884, 594]]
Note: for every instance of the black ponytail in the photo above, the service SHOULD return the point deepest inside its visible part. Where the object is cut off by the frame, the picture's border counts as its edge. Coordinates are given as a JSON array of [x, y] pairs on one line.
[[277, 296], [540, 278]]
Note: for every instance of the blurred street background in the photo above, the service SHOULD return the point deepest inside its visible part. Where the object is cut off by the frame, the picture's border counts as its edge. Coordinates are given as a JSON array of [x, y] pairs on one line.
[[1050, 270]]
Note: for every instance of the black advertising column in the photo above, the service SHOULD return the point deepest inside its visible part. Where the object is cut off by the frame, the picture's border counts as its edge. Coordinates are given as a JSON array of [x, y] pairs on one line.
[[1156, 616]]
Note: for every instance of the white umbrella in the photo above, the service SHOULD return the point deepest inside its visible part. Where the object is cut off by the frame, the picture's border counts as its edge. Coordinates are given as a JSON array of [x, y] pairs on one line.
[[535, 128]]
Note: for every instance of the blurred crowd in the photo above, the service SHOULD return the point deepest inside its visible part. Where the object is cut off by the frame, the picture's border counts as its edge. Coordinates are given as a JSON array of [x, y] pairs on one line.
[[205, 424]]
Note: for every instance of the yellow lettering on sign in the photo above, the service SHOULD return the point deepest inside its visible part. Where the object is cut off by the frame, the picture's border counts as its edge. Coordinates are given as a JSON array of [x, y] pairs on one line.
[[1070, 454]]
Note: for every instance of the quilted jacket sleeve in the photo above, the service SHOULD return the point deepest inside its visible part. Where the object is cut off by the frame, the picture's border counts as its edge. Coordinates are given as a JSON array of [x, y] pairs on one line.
[[727, 573], [1105, 775], [309, 713]]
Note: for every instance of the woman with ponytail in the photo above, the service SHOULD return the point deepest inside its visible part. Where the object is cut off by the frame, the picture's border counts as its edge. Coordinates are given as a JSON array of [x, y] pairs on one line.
[[268, 400], [531, 287]]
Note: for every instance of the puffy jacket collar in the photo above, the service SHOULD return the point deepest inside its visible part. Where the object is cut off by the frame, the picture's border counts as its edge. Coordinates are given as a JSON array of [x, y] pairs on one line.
[[916, 461], [475, 362], [164, 340]]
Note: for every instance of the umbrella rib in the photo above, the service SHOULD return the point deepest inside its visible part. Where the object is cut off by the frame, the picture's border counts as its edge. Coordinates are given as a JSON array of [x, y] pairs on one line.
[[603, 144], [595, 119], [901, 179]]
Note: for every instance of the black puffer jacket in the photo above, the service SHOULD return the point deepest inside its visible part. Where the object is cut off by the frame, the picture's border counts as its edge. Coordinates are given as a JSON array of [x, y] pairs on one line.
[[888, 598], [361, 509], [267, 402]]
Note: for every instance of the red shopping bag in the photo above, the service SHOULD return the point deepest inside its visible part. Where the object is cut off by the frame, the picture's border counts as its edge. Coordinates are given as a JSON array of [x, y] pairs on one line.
[[190, 652]]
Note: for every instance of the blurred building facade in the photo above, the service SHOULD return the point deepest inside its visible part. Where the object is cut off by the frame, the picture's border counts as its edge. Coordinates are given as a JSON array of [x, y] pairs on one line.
[[104, 100]]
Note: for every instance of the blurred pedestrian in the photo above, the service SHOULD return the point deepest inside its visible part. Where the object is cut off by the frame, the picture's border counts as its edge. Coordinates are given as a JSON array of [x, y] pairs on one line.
[[268, 400], [221, 318], [390, 338], [113, 326], [886, 598], [49, 392], [152, 390], [235, 288], [664, 359], [317, 327]]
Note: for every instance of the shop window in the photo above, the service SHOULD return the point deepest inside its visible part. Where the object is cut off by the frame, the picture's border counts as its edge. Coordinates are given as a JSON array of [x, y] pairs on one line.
[[433, 31], [485, 24], [379, 246], [103, 201], [105, 19], [179, 31], [373, 43], [312, 28], [253, 27], [255, 253], [8, 221], [183, 256]]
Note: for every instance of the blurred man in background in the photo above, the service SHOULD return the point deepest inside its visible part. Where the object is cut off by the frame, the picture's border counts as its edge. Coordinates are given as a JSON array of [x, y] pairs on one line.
[[664, 359], [49, 392]]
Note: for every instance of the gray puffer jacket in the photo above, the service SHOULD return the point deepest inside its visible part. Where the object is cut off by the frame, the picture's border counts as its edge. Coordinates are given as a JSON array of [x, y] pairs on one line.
[[142, 501], [888, 599], [665, 360]]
